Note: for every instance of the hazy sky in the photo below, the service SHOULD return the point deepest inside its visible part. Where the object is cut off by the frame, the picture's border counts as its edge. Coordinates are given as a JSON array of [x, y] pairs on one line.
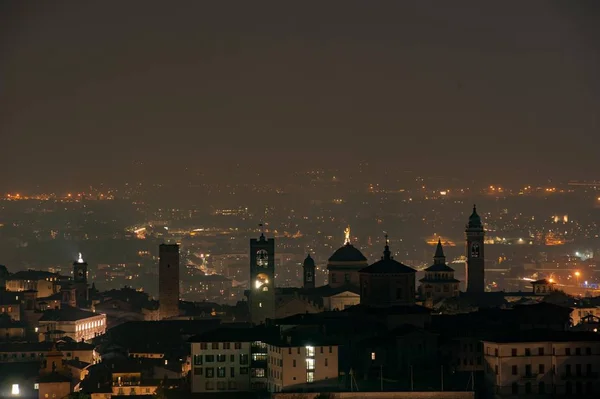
[[473, 87]]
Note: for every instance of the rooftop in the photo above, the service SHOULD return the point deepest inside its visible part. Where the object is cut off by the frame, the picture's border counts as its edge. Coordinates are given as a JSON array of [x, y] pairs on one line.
[[347, 253], [544, 335], [227, 334], [32, 275], [387, 265], [301, 338], [474, 220], [43, 346], [67, 313]]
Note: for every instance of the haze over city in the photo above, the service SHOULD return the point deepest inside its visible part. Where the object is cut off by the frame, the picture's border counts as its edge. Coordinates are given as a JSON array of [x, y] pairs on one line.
[[464, 89]]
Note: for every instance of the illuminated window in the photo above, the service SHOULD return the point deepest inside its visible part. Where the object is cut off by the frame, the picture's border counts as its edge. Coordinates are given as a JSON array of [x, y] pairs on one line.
[[15, 389], [372, 355], [310, 351]]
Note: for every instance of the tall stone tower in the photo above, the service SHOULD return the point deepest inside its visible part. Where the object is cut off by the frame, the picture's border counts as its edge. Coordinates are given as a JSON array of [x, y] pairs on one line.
[[261, 297], [475, 254], [309, 272], [80, 282], [168, 280]]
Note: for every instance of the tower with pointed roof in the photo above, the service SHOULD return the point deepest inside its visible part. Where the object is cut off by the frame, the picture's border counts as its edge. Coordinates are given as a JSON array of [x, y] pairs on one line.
[[387, 282], [439, 281], [475, 270], [308, 269], [261, 295]]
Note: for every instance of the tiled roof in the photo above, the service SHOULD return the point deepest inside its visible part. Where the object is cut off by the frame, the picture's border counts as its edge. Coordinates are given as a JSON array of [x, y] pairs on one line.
[[67, 313]]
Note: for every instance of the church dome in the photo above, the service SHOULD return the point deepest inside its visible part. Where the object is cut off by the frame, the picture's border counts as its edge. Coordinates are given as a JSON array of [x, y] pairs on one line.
[[347, 253], [309, 261]]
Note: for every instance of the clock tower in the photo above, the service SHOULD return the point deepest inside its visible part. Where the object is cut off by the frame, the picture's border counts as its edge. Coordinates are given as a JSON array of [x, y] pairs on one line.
[[475, 254], [261, 298], [80, 276]]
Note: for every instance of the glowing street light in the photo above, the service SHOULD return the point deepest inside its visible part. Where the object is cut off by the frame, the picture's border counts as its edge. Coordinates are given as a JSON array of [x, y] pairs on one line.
[[577, 274]]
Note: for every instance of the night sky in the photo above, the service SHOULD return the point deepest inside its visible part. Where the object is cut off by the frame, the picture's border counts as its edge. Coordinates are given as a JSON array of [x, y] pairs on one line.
[[470, 89]]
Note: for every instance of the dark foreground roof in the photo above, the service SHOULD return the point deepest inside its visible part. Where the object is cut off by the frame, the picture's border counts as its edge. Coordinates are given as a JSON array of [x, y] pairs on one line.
[[544, 335], [228, 334]]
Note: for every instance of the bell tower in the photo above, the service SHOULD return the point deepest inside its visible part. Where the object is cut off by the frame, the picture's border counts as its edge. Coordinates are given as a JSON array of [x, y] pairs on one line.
[[309, 273], [261, 297], [475, 254], [80, 282]]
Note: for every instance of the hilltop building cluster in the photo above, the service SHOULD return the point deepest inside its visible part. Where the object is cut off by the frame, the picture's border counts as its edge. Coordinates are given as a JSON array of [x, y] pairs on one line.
[[373, 328]]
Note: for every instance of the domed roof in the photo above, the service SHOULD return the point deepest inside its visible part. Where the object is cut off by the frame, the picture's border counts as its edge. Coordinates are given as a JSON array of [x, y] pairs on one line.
[[347, 253], [474, 219], [309, 261]]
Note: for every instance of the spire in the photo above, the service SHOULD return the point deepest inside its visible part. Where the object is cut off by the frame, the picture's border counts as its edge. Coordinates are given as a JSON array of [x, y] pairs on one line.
[[475, 219], [309, 261], [347, 235], [80, 260], [262, 232], [439, 256], [386, 252]]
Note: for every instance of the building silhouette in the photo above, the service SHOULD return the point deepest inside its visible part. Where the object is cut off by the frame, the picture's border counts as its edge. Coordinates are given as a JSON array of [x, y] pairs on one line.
[[475, 254], [308, 275], [439, 281], [345, 263], [261, 296], [168, 280], [387, 282], [80, 283]]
